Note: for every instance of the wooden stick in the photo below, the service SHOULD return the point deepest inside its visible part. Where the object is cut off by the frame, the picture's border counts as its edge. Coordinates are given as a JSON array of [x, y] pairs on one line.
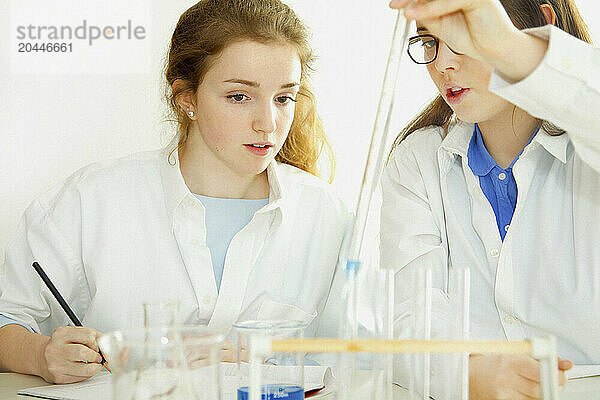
[[398, 346]]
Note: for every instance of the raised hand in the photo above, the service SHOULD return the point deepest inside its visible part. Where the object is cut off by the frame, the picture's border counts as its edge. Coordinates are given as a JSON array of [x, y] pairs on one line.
[[480, 29]]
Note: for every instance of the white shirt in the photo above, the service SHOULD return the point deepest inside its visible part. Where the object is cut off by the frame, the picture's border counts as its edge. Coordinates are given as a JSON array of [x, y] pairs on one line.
[[545, 277], [120, 233]]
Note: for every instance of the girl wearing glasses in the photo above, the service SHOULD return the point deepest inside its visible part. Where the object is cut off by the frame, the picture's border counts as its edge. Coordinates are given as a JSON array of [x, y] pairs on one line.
[[501, 174]]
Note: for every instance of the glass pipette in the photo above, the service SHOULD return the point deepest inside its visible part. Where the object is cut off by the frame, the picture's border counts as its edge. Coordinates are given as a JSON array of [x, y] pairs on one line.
[[372, 173]]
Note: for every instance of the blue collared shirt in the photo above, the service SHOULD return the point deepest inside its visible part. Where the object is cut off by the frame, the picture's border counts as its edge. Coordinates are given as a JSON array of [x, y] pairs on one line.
[[498, 184]]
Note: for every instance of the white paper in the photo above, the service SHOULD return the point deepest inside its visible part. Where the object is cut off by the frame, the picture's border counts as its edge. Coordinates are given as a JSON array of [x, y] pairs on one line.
[[95, 388], [98, 387]]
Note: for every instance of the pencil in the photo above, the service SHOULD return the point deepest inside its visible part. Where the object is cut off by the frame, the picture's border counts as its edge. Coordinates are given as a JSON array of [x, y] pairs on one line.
[[63, 304]]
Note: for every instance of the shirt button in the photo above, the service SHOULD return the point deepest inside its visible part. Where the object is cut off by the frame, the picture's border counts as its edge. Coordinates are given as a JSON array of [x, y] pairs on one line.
[[495, 253], [509, 319], [206, 300], [502, 176], [506, 228], [194, 242]]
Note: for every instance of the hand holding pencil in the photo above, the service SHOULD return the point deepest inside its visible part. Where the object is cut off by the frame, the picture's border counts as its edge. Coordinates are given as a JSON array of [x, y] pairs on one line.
[[71, 354]]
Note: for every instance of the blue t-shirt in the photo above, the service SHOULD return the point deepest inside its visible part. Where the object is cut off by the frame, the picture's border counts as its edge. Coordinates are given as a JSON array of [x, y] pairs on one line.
[[4, 320], [498, 184], [224, 218]]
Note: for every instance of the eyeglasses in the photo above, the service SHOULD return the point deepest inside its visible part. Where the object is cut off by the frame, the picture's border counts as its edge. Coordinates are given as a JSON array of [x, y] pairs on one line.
[[423, 49]]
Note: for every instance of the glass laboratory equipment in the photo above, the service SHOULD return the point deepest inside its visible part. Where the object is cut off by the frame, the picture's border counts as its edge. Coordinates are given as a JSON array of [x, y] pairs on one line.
[[350, 324], [161, 314], [282, 374], [419, 384], [367, 375], [166, 363], [450, 380], [459, 292]]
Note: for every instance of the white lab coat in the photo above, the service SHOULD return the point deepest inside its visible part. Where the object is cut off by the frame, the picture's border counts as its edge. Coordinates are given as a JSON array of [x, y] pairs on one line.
[[120, 233], [545, 276]]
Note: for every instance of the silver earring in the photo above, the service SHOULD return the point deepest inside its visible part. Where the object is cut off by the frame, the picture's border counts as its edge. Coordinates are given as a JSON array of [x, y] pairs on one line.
[[190, 113]]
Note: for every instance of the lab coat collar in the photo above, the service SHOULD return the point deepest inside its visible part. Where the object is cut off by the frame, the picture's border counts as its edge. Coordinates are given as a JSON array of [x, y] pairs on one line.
[[174, 186], [460, 133], [555, 145], [176, 190], [458, 138], [277, 191]]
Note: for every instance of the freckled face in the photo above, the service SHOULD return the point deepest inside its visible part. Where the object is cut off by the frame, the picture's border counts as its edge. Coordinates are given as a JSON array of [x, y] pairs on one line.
[[463, 83], [245, 105]]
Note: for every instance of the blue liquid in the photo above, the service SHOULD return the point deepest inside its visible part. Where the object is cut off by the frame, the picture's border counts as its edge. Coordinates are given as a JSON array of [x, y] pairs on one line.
[[274, 392]]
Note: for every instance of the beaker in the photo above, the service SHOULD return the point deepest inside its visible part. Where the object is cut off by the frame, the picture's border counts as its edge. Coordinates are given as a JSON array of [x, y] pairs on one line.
[[282, 374], [165, 363]]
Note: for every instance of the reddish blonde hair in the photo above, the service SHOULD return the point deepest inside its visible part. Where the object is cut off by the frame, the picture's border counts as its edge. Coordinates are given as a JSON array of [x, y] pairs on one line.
[[207, 27]]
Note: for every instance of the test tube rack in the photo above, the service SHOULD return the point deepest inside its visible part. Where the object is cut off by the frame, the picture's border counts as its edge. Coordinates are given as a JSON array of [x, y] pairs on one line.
[[542, 348]]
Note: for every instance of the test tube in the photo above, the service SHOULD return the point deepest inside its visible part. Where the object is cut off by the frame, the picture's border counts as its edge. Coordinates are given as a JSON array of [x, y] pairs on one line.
[[421, 330], [255, 358], [360, 375], [389, 332], [348, 329], [460, 293], [544, 349]]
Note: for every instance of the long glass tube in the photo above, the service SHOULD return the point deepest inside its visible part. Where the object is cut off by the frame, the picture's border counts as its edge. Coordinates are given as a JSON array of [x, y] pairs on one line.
[[389, 331], [460, 292], [419, 380], [379, 136], [371, 175], [255, 361]]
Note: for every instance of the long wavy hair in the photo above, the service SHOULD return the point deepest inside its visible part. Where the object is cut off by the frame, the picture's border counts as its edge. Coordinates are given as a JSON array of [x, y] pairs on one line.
[[201, 34], [523, 14]]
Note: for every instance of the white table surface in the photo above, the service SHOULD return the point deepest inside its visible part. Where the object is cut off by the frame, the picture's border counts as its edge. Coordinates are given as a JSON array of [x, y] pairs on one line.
[[578, 389]]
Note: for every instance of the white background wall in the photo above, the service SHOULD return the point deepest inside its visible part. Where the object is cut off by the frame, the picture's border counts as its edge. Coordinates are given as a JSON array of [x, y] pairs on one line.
[[53, 124]]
